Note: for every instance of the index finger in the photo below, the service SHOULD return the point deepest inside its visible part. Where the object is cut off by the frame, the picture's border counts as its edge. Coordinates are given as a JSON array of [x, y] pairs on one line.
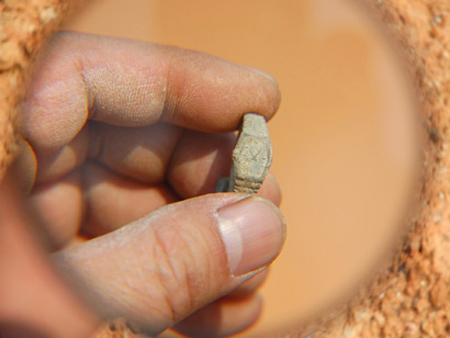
[[131, 83]]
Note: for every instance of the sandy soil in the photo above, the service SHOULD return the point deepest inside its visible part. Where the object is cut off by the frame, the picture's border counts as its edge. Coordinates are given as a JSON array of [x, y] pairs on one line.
[[411, 297]]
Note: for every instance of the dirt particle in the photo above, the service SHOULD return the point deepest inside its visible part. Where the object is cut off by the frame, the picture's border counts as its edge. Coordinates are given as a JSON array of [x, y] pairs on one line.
[[348, 333], [47, 15], [31, 28], [412, 330], [421, 305], [438, 295], [10, 55], [434, 135], [437, 20], [427, 328], [380, 319]]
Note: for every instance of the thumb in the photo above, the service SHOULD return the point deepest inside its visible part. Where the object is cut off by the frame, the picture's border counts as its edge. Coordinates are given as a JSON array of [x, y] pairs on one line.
[[177, 259]]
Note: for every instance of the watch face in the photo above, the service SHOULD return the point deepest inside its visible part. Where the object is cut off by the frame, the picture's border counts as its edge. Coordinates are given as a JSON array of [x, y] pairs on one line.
[[252, 157]]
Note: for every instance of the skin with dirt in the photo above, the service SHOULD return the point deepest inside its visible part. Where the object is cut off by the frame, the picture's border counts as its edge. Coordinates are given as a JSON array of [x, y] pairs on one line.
[[410, 298]]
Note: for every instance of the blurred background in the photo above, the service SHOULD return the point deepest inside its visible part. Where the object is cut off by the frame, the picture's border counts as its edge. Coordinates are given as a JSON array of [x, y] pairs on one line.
[[345, 140]]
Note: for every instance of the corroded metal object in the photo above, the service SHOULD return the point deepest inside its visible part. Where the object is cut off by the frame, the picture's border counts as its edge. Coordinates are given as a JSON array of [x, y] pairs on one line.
[[252, 157]]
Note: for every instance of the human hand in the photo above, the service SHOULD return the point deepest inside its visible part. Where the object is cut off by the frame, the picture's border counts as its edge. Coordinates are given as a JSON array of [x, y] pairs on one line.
[[121, 130]]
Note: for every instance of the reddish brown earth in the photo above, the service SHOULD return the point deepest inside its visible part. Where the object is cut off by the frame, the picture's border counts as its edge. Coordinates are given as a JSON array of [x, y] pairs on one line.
[[411, 297]]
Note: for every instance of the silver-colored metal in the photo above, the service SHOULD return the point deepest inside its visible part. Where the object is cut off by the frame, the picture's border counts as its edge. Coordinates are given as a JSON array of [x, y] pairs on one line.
[[251, 157]]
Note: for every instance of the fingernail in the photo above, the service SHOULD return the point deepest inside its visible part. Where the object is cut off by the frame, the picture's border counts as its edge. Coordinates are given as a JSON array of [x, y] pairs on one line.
[[253, 231]]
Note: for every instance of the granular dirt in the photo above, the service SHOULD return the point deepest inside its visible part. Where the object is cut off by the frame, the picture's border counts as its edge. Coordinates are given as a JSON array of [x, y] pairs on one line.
[[411, 298]]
